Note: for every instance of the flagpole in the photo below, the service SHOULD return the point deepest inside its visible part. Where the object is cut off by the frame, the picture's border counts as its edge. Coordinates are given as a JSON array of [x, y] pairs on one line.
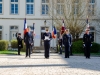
[[52, 23]]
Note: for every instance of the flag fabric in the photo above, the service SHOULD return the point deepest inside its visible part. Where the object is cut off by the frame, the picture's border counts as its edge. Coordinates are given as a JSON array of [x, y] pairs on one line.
[[54, 32], [25, 27], [33, 29], [63, 28], [87, 21]]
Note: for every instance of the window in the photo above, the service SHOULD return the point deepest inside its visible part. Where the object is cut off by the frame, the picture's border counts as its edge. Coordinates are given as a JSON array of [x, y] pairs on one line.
[[91, 8], [13, 27], [76, 7], [92, 32], [14, 6], [60, 6], [92, 1], [29, 6], [0, 6], [45, 7]]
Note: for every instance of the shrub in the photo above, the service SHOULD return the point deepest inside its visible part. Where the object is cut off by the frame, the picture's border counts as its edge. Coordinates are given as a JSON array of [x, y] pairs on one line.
[[77, 47], [95, 48], [15, 45], [3, 45]]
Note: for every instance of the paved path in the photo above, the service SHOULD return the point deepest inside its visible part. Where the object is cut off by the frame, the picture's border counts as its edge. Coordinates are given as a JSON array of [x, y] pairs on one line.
[[55, 65]]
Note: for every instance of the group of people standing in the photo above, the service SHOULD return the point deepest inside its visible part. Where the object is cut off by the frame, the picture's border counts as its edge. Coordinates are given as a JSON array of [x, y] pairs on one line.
[[28, 42], [65, 39]]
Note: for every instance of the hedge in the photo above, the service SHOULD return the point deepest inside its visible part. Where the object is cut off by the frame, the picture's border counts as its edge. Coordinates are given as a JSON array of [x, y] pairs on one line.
[[3, 45], [15, 45], [77, 47]]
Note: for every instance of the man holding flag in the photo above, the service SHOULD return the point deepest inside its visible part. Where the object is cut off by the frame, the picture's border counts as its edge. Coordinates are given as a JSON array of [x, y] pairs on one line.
[[60, 37], [27, 38]]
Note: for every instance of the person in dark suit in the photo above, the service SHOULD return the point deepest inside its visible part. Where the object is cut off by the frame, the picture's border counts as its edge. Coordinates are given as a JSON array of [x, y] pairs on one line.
[[60, 43], [87, 42], [28, 42], [31, 47], [19, 41], [47, 37], [67, 42]]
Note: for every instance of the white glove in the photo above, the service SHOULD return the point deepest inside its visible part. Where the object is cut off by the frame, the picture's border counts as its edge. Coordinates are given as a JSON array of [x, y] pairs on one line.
[[84, 45], [70, 45], [91, 44]]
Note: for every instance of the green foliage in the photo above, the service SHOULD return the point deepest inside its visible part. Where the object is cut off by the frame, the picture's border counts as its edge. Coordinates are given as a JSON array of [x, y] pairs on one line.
[[14, 44], [77, 47], [95, 48], [3, 45]]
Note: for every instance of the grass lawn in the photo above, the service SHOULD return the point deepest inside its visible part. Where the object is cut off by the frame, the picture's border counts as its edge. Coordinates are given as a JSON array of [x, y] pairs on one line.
[[10, 52]]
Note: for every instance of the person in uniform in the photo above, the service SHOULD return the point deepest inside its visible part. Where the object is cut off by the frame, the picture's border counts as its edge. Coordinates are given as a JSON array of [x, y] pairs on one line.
[[47, 37], [67, 42], [28, 42], [87, 42], [19, 41], [60, 43]]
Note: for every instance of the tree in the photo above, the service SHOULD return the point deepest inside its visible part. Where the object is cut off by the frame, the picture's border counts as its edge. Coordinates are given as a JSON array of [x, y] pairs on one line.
[[73, 13]]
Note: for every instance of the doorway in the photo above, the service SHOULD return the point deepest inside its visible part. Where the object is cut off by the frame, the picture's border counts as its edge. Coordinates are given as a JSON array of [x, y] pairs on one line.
[[42, 32]]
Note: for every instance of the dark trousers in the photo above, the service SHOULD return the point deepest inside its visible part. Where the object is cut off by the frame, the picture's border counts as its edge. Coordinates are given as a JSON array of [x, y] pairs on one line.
[[28, 50], [19, 51], [60, 49], [71, 50], [67, 49], [31, 48], [87, 51], [46, 46]]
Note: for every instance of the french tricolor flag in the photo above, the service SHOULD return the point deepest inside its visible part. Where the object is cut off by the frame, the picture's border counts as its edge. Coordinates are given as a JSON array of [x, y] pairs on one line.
[[63, 27], [87, 21], [54, 32], [25, 26]]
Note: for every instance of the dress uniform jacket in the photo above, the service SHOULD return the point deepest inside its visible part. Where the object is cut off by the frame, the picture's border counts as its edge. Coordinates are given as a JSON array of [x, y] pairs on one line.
[[87, 42], [47, 43], [67, 43]]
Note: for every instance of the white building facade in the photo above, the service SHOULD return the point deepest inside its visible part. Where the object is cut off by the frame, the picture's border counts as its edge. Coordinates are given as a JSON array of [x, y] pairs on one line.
[[13, 13]]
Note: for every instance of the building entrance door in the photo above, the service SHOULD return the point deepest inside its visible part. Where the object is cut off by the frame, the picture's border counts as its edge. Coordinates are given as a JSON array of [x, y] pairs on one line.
[[42, 32], [13, 35]]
